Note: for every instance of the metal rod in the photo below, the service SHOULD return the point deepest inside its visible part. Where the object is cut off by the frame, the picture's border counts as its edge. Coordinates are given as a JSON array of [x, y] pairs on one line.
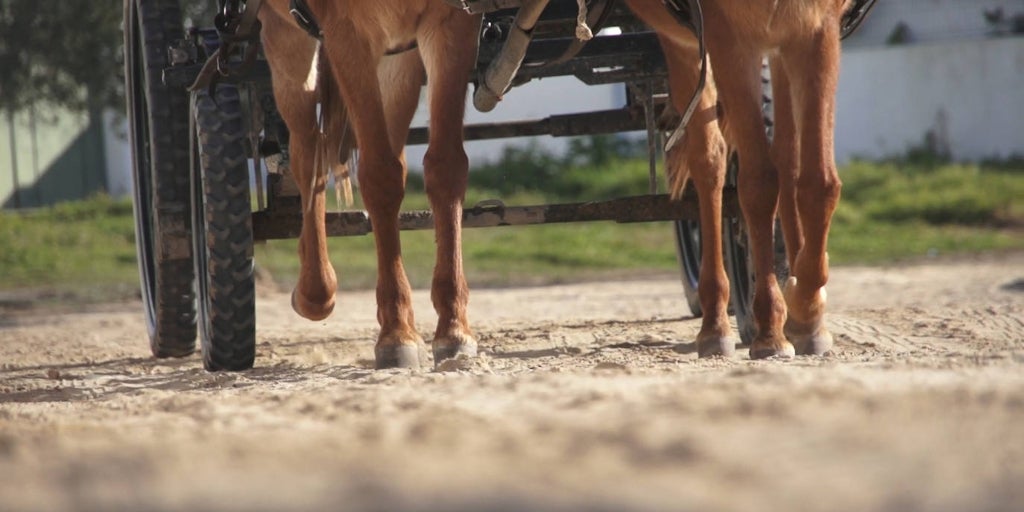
[[271, 225], [567, 125]]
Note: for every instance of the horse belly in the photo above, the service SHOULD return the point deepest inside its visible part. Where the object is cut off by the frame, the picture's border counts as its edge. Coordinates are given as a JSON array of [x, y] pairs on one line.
[[771, 23]]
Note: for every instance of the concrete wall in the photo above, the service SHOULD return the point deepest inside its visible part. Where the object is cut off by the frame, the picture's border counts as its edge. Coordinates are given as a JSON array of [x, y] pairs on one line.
[[535, 100], [935, 20], [968, 94], [49, 155]]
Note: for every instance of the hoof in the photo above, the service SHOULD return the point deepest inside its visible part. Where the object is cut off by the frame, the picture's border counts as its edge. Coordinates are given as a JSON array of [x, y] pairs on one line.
[[452, 346], [311, 310], [716, 346], [805, 324], [813, 341], [772, 350], [404, 355]]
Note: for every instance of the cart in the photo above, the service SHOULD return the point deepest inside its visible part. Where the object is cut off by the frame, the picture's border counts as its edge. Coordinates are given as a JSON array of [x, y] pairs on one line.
[[196, 156]]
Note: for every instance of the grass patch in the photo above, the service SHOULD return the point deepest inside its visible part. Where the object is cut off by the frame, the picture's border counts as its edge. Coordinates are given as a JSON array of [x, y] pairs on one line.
[[73, 245], [889, 212], [501, 256]]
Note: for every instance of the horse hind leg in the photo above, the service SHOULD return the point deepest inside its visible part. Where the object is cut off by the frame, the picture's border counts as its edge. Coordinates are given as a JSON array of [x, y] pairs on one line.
[[701, 156], [738, 77], [813, 68], [446, 172], [785, 153]]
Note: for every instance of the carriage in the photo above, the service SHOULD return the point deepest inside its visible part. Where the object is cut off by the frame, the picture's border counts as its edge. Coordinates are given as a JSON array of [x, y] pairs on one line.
[[210, 166]]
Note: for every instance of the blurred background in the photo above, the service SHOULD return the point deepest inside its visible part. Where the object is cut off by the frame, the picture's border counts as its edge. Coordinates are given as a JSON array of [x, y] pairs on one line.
[[929, 137]]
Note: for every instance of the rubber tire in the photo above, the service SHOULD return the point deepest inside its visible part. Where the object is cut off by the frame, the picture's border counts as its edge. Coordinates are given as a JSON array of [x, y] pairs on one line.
[[158, 117], [688, 244], [222, 222]]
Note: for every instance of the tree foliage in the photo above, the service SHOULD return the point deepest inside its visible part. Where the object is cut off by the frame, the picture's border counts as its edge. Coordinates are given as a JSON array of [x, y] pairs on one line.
[[67, 53], [62, 53]]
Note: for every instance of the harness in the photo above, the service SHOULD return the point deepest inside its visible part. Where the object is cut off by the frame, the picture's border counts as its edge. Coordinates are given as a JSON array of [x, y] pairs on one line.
[[483, 6], [305, 19], [690, 15], [236, 25]]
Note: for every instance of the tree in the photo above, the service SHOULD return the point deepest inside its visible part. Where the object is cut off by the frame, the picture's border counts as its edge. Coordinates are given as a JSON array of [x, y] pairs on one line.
[[67, 54], [62, 53]]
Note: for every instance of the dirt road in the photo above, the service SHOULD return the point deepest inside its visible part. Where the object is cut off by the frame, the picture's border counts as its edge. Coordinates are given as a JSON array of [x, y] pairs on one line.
[[587, 397]]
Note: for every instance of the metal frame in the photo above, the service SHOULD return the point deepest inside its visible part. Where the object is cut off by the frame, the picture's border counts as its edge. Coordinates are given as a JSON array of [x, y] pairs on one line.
[[633, 58]]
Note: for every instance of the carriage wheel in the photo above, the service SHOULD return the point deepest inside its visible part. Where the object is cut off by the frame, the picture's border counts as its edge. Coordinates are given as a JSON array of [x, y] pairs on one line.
[[158, 116], [687, 233], [223, 242]]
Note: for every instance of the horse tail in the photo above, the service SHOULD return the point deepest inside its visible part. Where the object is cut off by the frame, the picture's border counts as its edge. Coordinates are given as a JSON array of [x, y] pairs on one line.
[[335, 153]]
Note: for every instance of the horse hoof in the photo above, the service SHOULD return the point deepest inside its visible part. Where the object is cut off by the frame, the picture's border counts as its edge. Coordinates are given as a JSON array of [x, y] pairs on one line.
[[817, 343], [717, 346], [312, 310], [403, 355], [778, 350], [450, 347]]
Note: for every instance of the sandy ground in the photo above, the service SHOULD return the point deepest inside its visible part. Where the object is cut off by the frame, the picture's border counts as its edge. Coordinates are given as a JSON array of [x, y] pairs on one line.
[[587, 397]]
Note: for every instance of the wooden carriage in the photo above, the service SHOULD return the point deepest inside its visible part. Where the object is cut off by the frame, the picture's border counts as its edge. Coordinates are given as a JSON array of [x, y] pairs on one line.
[[211, 166]]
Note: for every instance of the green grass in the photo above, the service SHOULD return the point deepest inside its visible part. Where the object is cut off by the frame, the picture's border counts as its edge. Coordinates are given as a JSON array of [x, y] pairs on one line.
[[888, 212], [499, 256], [77, 246], [894, 211]]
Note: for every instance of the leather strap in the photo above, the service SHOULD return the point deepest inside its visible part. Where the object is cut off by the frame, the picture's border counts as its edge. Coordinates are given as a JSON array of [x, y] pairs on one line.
[[305, 19], [482, 6], [689, 14], [234, 29]]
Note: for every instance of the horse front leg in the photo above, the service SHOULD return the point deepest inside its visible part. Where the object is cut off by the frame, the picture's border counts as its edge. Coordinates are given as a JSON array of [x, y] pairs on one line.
[[813, 69], [382, 186], [291, 54], [446, 172]]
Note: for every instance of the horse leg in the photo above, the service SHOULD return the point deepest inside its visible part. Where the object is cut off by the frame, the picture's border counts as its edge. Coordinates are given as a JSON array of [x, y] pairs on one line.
[[382, 186], [291, 54], [446, 172], [814, 69], [738, 79], [702, 157], [785, 152]]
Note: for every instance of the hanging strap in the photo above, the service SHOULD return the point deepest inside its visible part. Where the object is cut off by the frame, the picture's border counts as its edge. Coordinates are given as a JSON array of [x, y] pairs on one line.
[[236, 25], [305, 19], [690, 15], [480, 6]]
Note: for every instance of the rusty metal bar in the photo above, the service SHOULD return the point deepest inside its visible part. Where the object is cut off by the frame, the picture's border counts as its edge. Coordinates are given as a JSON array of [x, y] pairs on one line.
[[271, 224], [564, 125]]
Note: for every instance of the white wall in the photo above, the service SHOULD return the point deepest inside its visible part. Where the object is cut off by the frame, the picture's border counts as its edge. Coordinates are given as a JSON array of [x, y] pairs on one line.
[[969, 93], [889, 96], [535, 100], [117, 149], [933, 20]]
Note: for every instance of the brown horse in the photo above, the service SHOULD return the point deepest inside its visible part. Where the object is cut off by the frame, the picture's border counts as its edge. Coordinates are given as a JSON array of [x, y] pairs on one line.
[[374, 58], [796, 174]]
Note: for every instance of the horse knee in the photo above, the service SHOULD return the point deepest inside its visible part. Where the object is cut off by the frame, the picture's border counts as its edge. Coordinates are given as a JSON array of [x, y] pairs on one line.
[[446, 173], [707, 163], [819, 191], [382, 186]]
